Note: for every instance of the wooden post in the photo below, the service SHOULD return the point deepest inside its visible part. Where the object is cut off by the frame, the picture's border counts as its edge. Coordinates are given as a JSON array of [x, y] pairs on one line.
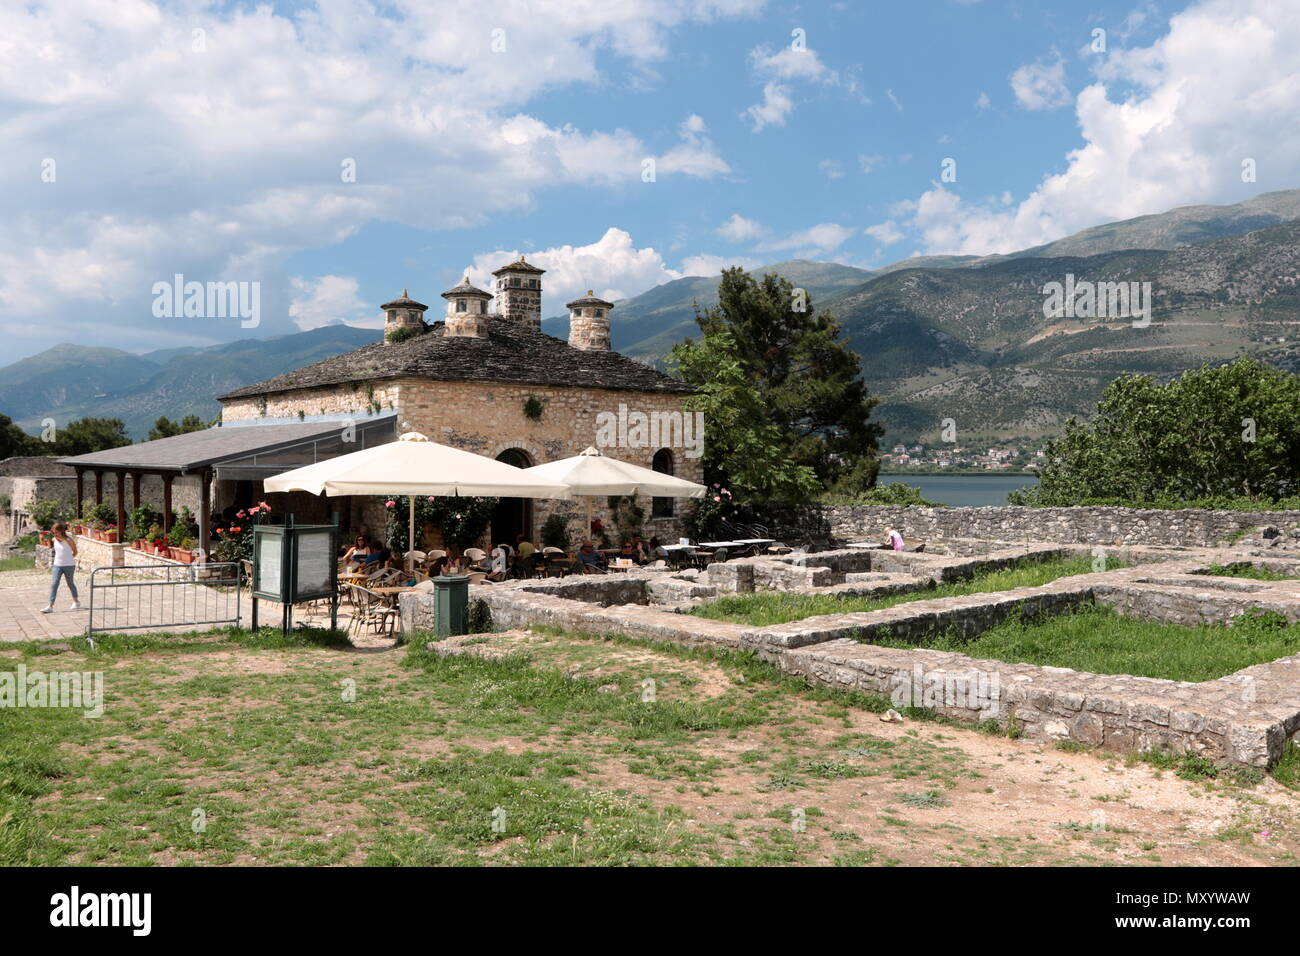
[[121, 505], [205, 510], [99, 487], [167, 504], [136, 478], [80, 476]]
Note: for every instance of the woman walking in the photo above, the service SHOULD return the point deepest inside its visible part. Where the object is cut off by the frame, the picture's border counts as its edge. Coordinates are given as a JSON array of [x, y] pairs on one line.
[[65, 565]]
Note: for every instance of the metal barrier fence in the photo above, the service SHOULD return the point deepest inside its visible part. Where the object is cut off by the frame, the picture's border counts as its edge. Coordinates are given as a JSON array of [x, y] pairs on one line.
[[164, 595]]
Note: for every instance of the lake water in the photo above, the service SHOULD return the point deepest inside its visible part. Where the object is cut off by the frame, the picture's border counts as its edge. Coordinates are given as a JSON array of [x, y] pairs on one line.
[[964, 490]]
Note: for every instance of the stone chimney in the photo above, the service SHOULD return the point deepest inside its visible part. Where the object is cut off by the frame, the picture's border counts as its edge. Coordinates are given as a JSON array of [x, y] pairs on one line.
[[467, 311], [403, 313], [589, 323], [519, 292]]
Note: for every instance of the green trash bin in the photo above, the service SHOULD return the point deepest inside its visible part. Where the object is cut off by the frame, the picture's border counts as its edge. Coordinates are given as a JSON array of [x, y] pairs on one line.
[[450, 604]]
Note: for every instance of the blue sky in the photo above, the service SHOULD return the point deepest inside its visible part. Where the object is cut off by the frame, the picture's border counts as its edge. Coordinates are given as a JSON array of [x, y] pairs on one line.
[[208, 140]]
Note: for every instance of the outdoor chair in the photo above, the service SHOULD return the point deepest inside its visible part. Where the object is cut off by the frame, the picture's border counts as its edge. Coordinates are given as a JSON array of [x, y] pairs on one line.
[[525, 567], [475, 554], [370, 610]]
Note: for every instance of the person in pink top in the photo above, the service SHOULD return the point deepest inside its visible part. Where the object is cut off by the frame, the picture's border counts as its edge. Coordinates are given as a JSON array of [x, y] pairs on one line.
[[895, 540]]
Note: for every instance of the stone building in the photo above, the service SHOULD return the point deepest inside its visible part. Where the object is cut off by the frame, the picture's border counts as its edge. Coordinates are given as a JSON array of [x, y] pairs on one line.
[[487, 379]]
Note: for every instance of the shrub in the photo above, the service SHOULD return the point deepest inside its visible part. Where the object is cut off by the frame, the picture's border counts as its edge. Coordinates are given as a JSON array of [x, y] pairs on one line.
[[402, 333], [46, 513], [555, 532], [142, 519], [479, 618]]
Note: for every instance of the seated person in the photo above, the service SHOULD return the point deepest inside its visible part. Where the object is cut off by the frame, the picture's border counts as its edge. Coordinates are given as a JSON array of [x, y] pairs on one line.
[[656, 551], [893, 540], [642, 552], [378, 558], [500, 560], [630, 552], [591, 560], [357, 554], [523, 546]]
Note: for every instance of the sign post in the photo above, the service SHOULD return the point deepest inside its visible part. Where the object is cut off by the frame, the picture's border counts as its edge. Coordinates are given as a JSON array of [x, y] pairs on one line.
[[295, 563]]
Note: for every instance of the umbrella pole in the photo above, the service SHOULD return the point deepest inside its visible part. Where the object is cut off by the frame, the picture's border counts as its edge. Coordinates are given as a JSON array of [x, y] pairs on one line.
[[410, 537], [586, 531]]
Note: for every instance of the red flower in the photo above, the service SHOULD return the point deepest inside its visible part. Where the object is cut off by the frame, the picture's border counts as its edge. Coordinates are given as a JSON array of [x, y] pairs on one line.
[[240, 514]]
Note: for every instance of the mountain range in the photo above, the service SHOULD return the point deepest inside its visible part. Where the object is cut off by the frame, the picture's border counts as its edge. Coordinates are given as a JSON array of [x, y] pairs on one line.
[[960, 337]]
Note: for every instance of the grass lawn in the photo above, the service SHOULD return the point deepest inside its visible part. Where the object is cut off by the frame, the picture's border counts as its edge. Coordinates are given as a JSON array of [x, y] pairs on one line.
[[773, 607], [233, 747], [1097, 640], [17, 563], [1246, 570]]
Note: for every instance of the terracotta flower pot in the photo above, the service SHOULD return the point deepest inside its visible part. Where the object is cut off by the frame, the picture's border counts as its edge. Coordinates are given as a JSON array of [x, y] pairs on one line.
[[110, 537], [184, 555]]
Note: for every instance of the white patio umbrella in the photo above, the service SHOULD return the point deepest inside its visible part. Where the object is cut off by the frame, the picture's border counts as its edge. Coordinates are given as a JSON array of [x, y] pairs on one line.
[[412, 466], [593, 473]]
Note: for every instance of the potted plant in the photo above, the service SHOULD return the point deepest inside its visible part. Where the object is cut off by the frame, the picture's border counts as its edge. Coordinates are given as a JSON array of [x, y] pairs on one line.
[[110, 534], [143, 518], [180, 547]]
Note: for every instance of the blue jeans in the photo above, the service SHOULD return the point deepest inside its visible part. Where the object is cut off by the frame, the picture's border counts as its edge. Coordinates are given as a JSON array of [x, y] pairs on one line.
[[65, 572]]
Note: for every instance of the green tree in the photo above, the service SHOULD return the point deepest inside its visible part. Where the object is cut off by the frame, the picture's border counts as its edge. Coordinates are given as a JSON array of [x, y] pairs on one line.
[[86, 435], [14, 441], [164, 427], [1225, 432], [800, 389]]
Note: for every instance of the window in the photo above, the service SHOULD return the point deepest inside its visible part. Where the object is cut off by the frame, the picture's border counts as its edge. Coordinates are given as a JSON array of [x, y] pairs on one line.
[[482, 306], [532, 283], [600, 313], [662, 463], [460, 305]]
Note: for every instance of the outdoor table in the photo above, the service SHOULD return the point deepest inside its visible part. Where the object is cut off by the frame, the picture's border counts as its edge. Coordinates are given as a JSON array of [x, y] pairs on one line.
[[756, 541], [722, 544]]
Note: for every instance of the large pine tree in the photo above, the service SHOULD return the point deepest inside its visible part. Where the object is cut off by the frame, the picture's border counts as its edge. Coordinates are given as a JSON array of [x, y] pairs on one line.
[[808, 408]]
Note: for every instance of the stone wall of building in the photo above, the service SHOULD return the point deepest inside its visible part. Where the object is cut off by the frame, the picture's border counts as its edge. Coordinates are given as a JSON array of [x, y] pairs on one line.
[[1082, 525], [489, 418]]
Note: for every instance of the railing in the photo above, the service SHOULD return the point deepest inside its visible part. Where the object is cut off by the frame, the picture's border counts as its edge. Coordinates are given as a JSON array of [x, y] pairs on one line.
[[164, 595]]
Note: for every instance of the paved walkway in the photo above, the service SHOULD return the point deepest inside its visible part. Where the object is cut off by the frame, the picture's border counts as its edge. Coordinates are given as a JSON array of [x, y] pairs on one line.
[[23, 594]]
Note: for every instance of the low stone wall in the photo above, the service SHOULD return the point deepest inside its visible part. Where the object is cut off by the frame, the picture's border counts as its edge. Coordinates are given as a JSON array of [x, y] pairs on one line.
[[1082, 525]]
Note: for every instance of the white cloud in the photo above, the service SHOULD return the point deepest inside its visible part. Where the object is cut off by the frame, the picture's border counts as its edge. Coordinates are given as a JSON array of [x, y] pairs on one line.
[[740, 229], [711, 265], [223, 162], [1041, 85], [982, 102], [868, 163], [331, 300], [1163, 126], [778, 70], [886, 233], [774, 109], [831, 168], [612, 266], [820, 239]]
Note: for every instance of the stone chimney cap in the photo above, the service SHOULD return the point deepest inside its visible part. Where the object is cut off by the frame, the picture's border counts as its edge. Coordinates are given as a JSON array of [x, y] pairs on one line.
[[588, 300], [404, 301], [466, 289], [519, 265]]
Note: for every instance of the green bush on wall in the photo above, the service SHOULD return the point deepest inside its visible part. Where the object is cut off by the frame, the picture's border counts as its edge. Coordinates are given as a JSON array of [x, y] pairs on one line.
[[555, 532]]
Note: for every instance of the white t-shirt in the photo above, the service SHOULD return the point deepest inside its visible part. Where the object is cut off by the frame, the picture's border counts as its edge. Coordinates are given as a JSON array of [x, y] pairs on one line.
[[63, 557]]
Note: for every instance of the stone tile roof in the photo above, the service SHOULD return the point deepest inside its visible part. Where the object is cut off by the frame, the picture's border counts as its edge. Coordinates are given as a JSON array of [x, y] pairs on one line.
[[511, 352], [588, 299], [519, 265], [403, 301], [466, 288]]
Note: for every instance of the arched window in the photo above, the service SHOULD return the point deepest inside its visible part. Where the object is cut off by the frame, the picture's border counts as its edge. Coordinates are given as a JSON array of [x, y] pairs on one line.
[[662, 463]]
